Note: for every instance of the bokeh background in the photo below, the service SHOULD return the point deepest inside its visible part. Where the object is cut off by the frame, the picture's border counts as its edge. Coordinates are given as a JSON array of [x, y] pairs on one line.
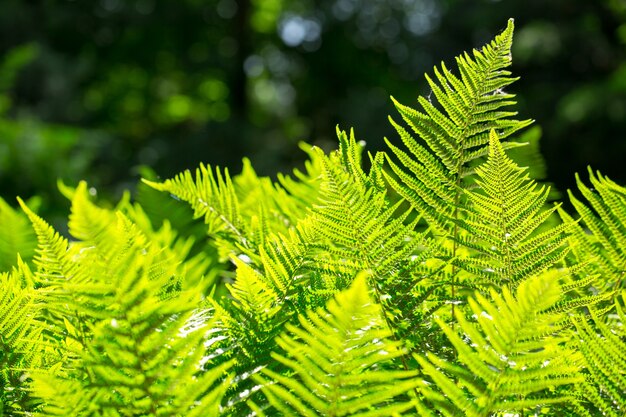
[[106, 90]]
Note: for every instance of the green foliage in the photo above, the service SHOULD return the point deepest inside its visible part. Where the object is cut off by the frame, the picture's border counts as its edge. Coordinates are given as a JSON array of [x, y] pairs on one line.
[[601, 341], [503, 224], [336, 360], [16, 237], [128, 330], [20, 340], [455, 133], [512, 354], [434, 282], [604, 219]]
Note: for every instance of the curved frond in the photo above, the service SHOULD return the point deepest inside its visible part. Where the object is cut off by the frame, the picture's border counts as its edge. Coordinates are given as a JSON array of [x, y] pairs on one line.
[[16, 237], [604, 216], [603, 345]]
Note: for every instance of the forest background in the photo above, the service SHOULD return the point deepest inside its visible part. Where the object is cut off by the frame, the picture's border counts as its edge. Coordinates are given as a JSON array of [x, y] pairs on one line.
[[112, 90]]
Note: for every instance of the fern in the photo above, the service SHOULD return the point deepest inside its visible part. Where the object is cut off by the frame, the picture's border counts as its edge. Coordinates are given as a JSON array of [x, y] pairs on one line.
[[21, 347], [16, 237], [132, 339], [336, 362], [503, 224], [605, 218], [457, 134], [434, 282], [603, 344], [512, 354]]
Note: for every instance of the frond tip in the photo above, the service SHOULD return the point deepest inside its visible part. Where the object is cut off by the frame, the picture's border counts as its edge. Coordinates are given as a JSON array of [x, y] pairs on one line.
[[455, 128], [503, 222]]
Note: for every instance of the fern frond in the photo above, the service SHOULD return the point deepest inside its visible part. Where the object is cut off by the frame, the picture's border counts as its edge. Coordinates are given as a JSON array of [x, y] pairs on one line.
[[95, 228], [211, 195], [145, 345], [604, 350], [242, 212], [503, 224], [512, 354], [21, 345], [265, 293], [456, 131], [52, 259], [359, 229], [339, 362], [604, 216], [16, 237]]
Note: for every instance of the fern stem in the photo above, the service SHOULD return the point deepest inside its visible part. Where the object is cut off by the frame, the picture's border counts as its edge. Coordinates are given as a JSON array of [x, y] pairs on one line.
[[455, 234]]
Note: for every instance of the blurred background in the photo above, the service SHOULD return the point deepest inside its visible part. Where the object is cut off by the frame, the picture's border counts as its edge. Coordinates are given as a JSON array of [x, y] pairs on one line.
[[98, 89]]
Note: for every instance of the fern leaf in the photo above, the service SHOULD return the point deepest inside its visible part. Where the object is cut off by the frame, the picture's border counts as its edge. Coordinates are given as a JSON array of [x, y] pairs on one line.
[[210, 194], [456, 131], [604, 350], [21, 344], [16, 237], [52, 259], [336, 362], [605, 217], [144, 342], [512, 354], [504, 221]]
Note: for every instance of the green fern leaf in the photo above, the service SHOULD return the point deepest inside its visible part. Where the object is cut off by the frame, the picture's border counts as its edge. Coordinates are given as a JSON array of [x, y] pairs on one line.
[[456, 132], [604, 349], [336, 362], [144, 342], [512, 354], [605, 218], [21, 343], [503, 224], [16, 237]]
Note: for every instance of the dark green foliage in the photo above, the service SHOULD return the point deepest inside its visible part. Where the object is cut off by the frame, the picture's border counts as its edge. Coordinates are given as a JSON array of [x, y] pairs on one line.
[[435, 282]]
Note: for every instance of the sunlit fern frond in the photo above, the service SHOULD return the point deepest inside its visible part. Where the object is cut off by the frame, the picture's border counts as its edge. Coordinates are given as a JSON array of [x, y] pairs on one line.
[[211, 194], [52, 258], [21, 345], [359, 229], [339, 361], [282, 208], [265, 292], [16, 237], [455, 129], [242, 212], [603, 241], [356, 219], [602, 341], [254, 306], [503, 224], [512, 354], [94, 227], [137, 347]]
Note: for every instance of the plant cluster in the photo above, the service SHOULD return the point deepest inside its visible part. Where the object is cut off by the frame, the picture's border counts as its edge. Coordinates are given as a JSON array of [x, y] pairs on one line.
[[438, 281]]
